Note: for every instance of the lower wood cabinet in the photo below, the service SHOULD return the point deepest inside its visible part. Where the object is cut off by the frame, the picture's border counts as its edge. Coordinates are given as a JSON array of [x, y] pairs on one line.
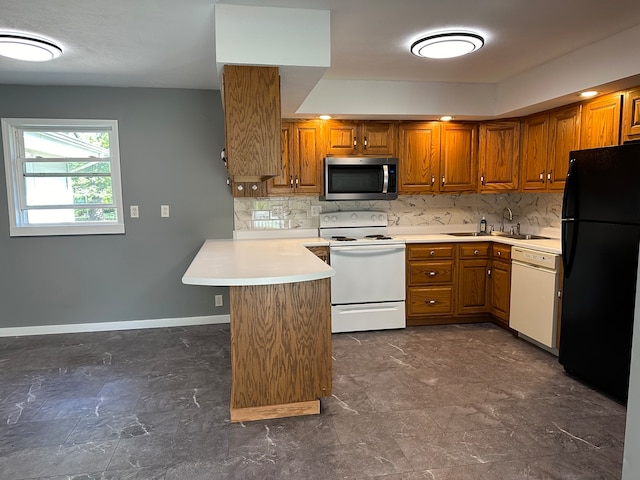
[[500, 283], [430, 277], [322, 253], [473, 264]]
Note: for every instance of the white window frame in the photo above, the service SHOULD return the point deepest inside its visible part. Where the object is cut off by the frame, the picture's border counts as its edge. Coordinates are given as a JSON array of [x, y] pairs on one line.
[[12, 139]]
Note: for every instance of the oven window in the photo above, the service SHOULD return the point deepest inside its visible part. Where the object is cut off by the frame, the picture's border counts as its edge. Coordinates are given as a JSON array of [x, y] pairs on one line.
[[355, 179]]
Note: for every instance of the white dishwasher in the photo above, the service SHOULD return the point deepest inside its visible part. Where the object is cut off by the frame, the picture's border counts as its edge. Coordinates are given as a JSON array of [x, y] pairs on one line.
[[535, 294]]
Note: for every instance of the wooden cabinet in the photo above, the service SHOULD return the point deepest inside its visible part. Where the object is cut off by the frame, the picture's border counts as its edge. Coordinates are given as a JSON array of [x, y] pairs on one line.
[[473, 263], [430, 279], [437, 158], [601, 122], [345, 138], [631, 115], [500, 283], [498, 156], [547, 139], [322, 253], [419, 158], [301, 168], [252, 122]]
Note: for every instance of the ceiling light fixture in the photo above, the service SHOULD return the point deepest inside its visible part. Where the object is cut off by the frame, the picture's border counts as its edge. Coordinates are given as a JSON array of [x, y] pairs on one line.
[[447, 45], [29, 49]]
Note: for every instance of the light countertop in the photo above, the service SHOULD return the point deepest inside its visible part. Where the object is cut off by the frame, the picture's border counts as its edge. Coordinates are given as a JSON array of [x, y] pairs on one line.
[[256, 262], [272, 260]]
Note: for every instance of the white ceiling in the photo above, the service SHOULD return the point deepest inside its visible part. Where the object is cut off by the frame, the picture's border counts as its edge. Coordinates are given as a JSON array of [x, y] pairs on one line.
[[537, 53]]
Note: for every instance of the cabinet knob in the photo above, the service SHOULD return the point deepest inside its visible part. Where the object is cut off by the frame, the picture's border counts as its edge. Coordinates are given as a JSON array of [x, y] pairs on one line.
[[240, 187], [482, 179], [254, 187], [443, 180], [549, 176], [499, 254], [365, 143], [542, 177], [355, 142], [432, 253], [432, 274], [431, 302], [297, 181], [476, 252], [291, 181], [433, 180]]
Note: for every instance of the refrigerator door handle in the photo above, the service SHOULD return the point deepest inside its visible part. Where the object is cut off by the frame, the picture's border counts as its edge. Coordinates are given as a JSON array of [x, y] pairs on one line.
[[569, 199], [569, 227]]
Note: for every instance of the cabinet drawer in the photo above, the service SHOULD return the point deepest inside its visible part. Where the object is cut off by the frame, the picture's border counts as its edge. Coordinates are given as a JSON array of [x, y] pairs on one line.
[[474, 250], [430, 301], [500, 251], [427, 273], [423, 251]]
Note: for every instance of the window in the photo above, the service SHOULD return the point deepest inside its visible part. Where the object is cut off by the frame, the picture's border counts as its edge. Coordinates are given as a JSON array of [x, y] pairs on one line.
[[63, 176]]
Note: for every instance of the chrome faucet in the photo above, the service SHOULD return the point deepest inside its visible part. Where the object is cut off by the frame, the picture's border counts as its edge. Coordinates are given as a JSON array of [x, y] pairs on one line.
[[508, 210]]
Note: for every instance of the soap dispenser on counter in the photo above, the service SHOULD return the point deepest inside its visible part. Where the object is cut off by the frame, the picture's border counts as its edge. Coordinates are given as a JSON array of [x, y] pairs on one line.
[[483, 225]]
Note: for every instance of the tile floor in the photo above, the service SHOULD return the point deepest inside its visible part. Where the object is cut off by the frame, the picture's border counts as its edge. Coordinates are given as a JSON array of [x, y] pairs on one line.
[[451, 402]]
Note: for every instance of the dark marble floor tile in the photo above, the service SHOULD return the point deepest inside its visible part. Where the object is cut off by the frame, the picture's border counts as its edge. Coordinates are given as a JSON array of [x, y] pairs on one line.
[[133, 474], [34, 462], [34, 434], [85, 407], [109, 427], [200, 420], [246, 467], [460, 418]]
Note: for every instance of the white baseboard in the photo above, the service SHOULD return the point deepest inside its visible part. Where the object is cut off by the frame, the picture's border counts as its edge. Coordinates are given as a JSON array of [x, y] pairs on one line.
[[108, 326]]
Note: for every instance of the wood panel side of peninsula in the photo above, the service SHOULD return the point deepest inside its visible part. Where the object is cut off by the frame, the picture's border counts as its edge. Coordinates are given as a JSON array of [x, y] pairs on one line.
[[280, 349]]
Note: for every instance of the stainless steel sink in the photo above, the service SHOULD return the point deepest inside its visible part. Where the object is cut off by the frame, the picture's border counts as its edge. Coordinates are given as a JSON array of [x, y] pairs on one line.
[[519, 236], [467, 234]]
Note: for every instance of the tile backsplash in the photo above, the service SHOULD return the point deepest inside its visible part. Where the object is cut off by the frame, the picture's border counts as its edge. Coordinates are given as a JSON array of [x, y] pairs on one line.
[[534, 212]]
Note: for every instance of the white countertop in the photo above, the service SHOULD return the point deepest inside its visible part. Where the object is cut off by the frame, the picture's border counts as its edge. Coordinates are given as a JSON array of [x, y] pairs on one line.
[[256, 262], [267, 260]]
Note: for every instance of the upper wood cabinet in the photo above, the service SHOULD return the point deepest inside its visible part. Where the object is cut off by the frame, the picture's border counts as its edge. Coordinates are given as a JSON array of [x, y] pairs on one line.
[[601, 122], [252, 122], [301, 169], [437, 157], [498, 156], [631, 115], [419, 158], [547, 139], [361, 138]]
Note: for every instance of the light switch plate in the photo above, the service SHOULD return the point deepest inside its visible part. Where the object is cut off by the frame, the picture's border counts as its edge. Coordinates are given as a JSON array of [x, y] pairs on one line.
[[164, 211]]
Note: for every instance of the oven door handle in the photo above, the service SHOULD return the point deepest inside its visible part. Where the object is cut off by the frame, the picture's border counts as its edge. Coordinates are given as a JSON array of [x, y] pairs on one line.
[[368, 249], [385, 179]]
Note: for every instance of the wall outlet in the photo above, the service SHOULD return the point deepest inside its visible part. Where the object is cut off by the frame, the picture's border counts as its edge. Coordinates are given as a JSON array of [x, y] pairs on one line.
[[316, 210], [164, 211], [219, 301], [134, 211]]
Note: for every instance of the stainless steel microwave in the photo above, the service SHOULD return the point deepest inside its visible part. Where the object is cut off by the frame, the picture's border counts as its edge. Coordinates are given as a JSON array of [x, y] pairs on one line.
[[360, 178]]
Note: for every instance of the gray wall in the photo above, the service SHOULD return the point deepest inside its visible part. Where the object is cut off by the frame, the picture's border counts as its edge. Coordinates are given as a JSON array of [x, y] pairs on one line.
[[170, 142]]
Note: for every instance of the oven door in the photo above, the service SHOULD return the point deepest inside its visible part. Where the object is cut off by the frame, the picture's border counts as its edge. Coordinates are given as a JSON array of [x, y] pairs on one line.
[[367, 273]]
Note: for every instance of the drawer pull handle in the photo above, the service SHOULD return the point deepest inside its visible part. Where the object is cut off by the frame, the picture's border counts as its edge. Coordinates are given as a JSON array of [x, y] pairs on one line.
[[431, 302], [476, 252], [499, 254], [432, 274], [433, 252]]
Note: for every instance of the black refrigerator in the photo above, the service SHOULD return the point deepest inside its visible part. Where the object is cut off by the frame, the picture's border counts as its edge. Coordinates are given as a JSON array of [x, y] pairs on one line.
[[600, 240]]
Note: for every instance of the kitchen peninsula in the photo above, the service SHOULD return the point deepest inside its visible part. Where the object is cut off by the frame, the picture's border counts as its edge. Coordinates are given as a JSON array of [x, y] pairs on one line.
[[280, 311]]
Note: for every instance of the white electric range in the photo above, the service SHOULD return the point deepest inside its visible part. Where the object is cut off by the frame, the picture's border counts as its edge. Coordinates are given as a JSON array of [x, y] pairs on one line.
[[368, 289]]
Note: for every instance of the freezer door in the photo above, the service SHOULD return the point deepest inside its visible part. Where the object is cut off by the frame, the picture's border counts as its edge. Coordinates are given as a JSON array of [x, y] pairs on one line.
[[603, 185], [598, 303]]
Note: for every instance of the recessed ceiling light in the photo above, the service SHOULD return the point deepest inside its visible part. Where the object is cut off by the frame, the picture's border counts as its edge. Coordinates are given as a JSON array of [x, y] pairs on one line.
[[446, 118], [589, 94], [325, 117], [447, 45], [29, 49]]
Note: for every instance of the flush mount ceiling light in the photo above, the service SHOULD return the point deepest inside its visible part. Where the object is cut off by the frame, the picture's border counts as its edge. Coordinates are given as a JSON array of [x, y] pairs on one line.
[[29, 49], [447, 45]]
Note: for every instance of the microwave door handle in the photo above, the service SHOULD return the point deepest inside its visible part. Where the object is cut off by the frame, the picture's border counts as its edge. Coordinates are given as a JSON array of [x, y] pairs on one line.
[[385, 178]]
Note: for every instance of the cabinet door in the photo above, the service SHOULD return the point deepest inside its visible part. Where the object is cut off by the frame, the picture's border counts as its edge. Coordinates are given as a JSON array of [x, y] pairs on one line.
[[631, 115], [500, 290], [564, 136], [341, 138], [535, 141], [308, 157], [499, 156], [378, 138], [472, 286], [458, 159], [283, 184], [419, 157], [252, 122], [601, 122]]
